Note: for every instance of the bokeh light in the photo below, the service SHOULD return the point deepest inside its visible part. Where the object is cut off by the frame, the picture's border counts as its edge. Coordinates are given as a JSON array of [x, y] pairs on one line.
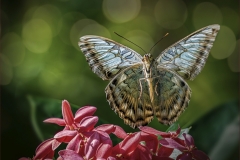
[[121, 11], [205, 14], [231, 19], [170, 14], [140, 38], [225, 43], [13, 48], [37, 35], [234, 58], [51, 15], [68, 20], [29, 69]]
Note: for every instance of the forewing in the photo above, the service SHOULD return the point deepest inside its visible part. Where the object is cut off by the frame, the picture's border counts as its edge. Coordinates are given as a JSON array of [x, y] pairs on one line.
[[123, 94], [172, 95], [106, 57], [188, 56]]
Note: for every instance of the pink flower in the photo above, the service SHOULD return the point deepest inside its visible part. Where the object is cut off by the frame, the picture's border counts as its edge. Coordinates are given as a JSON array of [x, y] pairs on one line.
[[77, 129], [85, 141], [189, 150], [138, 145], [46, 149], [68, 120], [162, 151]]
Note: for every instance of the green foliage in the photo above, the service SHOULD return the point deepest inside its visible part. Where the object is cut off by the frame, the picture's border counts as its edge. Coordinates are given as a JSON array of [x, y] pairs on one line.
[[218, 131]]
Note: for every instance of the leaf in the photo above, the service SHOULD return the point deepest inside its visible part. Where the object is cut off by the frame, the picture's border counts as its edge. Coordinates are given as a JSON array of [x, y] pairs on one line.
[[173, 127], [217, 133]]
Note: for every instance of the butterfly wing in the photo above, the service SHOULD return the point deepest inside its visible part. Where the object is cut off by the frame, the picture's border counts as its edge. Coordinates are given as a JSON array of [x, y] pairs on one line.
[[172, 95], [187, 57], [123, 94], [106, 57]]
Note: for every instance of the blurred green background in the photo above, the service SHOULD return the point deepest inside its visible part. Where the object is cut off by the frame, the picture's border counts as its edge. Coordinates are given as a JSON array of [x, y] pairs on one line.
[[41, 65]]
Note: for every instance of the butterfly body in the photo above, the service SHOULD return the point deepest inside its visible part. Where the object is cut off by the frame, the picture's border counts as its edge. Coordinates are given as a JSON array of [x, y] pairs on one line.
[[141, 87], [149, 68]]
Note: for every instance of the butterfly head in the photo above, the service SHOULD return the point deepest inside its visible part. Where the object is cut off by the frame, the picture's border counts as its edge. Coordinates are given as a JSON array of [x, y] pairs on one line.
[[148, 61]]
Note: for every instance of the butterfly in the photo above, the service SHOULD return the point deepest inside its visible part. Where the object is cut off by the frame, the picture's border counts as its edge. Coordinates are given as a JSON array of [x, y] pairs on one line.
[[141, 87]]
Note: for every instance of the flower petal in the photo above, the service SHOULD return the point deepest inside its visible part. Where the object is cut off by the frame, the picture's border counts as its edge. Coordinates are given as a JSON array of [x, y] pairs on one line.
[[116, 150], [57, 121], [109, 128], [131, 142], [150, 130], [65, 135], [67, 113], [199, 155], [151, 141], [55, 144], [140, 153], [103, 151], [188, 140], [44, 150], [119, 132], [175, 134], [84, 112], [92, 144], [184, 156], [69, 155], [59, 158], [74, 144], [164, 151], [161, 158], [88, 123], [171, 143]]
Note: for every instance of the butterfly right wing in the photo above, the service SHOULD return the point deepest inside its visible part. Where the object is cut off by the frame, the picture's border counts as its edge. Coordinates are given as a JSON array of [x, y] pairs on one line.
[[106, 57], [188, 56], [172, 95]]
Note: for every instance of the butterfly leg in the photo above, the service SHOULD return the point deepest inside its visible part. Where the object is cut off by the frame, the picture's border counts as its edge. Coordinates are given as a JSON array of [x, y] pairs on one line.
[[156, 84], [156, 87], [140, 87]]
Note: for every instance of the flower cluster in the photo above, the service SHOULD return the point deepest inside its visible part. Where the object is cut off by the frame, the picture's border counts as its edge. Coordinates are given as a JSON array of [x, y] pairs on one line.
[[86, 142]]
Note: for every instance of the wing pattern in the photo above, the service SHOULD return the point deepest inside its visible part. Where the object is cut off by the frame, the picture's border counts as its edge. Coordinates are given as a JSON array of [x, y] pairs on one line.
[[188, 56], [172, 96], [106, 57], [123, 94]]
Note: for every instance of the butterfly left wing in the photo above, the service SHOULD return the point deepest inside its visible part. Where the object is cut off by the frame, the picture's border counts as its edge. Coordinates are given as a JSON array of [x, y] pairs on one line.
[[172, 95], [130, 101], [106, 57], [188, 56]]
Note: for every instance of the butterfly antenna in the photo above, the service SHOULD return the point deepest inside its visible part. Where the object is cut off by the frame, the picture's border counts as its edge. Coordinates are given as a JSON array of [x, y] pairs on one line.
[[130, 42], [158, 41]]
